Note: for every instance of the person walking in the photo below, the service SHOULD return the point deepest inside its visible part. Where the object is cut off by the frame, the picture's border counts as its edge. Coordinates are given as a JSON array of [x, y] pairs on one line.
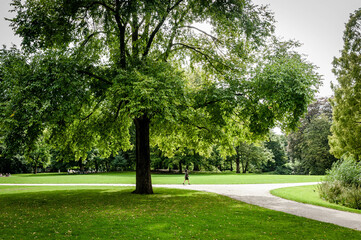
[[186, 177]]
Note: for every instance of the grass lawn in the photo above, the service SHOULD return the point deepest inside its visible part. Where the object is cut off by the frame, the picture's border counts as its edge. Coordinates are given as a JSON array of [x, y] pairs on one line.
[[129, 177], [115, 213], [308, 194]]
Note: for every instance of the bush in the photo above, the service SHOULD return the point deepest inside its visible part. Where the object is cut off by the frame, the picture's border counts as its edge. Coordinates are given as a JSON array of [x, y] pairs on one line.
[[347, 172], [342, 184]]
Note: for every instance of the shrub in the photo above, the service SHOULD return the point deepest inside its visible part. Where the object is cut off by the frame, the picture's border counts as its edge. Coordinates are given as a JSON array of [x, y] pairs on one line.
[[347, 172], [342, 184]]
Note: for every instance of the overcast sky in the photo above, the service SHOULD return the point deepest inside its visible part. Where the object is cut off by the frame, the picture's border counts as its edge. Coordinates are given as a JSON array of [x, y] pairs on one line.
[[317, 24]]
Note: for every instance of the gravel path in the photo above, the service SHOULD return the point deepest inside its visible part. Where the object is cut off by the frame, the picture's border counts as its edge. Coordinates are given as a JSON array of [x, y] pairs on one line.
[[259, 194]]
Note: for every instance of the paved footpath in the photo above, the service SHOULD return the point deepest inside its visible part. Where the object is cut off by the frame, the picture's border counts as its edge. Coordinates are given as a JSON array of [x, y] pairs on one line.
[[259, 194]]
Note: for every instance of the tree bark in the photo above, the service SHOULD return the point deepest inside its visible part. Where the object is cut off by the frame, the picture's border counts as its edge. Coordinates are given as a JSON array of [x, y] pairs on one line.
[[237, 164], [143, 176], [245, 168], [81, 166], [180, 167], [195, 167]]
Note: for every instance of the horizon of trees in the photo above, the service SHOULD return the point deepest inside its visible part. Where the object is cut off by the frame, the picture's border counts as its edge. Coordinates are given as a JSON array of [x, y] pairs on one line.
[[305, 151]]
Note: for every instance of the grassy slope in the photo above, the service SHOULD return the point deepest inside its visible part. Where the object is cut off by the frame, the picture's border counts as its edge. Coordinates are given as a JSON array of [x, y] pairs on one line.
[[308, 194], [159, 178], [114, 213]]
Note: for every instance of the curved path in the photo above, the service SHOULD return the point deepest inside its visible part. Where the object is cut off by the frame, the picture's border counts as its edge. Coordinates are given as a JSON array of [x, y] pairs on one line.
[[259, 194]]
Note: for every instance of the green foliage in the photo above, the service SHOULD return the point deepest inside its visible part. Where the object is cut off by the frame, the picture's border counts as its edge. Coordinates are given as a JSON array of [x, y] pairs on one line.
[[277, 145], [347, 172], [89, 69], [253, 156], [342, 184], [39, 155], [308, 148], [346, 127]]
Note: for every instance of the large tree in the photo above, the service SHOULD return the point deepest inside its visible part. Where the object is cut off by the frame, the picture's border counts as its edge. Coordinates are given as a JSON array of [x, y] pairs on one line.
[[346, 104], [187, 74]]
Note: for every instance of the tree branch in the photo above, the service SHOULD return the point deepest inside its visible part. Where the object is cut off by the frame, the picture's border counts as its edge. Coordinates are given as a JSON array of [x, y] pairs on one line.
[[101, 4], [88, 38], [207, 57], [94, 76], [155, 31], [205, 33], [88, 116]]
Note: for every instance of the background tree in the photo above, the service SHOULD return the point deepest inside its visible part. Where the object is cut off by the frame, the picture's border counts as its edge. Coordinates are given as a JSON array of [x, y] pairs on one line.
[[38, 156], [346, 126], [90, 69], [252, 156], [309, 147], [277, 145]]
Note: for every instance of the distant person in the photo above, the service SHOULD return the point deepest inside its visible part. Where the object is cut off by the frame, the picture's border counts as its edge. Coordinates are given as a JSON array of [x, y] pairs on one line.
[[186, 177]]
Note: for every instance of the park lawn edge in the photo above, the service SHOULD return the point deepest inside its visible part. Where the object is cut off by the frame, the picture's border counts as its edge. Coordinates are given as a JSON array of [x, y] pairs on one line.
[[302, 194]]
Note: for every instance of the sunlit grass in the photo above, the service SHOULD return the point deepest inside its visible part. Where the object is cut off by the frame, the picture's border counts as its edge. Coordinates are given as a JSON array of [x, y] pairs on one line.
[[308, 194], [115, 213], [129, 178]]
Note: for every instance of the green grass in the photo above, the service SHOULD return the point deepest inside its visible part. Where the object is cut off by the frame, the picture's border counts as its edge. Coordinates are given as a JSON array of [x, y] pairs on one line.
[[308, 194], [115, 213], [129, 178]]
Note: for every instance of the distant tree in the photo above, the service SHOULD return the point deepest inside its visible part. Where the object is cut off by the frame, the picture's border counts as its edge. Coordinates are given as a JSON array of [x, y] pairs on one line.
[[309, 146], [346, 104], [277, 145], [316, 157], [38, 156], [252, 156]]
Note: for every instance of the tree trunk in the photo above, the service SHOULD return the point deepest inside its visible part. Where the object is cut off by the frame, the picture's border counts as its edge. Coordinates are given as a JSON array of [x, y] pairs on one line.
[[231, 162], [195, 167], [180, 167], [143, 176], [81, 166], [245, 168], [237, 164]]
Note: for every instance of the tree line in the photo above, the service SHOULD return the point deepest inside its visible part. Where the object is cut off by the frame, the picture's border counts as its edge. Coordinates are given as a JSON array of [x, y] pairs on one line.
[[305, 151]]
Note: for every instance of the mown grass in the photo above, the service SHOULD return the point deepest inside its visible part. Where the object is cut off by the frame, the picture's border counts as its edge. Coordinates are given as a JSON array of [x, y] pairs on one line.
[[129, 178], [308, 194], [115, 213]]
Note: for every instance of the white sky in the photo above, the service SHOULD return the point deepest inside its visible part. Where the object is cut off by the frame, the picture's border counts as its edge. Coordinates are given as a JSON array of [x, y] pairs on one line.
[[317, 24]]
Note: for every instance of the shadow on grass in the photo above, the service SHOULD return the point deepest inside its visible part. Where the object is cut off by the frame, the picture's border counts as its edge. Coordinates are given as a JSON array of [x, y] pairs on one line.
[[116, 213]]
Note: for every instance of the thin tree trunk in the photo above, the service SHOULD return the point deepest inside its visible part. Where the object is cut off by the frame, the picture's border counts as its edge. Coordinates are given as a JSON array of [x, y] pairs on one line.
[[180, 167], [81, 166], [143, 176], [237, 164], [245, 168], [195, 167]]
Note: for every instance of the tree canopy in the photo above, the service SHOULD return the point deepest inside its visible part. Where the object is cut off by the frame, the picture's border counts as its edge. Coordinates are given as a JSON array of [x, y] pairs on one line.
[[346, 127], [185, 73], [309, 146]]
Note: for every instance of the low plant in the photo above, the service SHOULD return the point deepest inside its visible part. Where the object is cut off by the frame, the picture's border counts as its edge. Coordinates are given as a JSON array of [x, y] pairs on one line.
[[342, 184]]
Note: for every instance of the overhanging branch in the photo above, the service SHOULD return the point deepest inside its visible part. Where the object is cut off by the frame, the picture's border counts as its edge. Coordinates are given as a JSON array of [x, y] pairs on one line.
[[94, 76]]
